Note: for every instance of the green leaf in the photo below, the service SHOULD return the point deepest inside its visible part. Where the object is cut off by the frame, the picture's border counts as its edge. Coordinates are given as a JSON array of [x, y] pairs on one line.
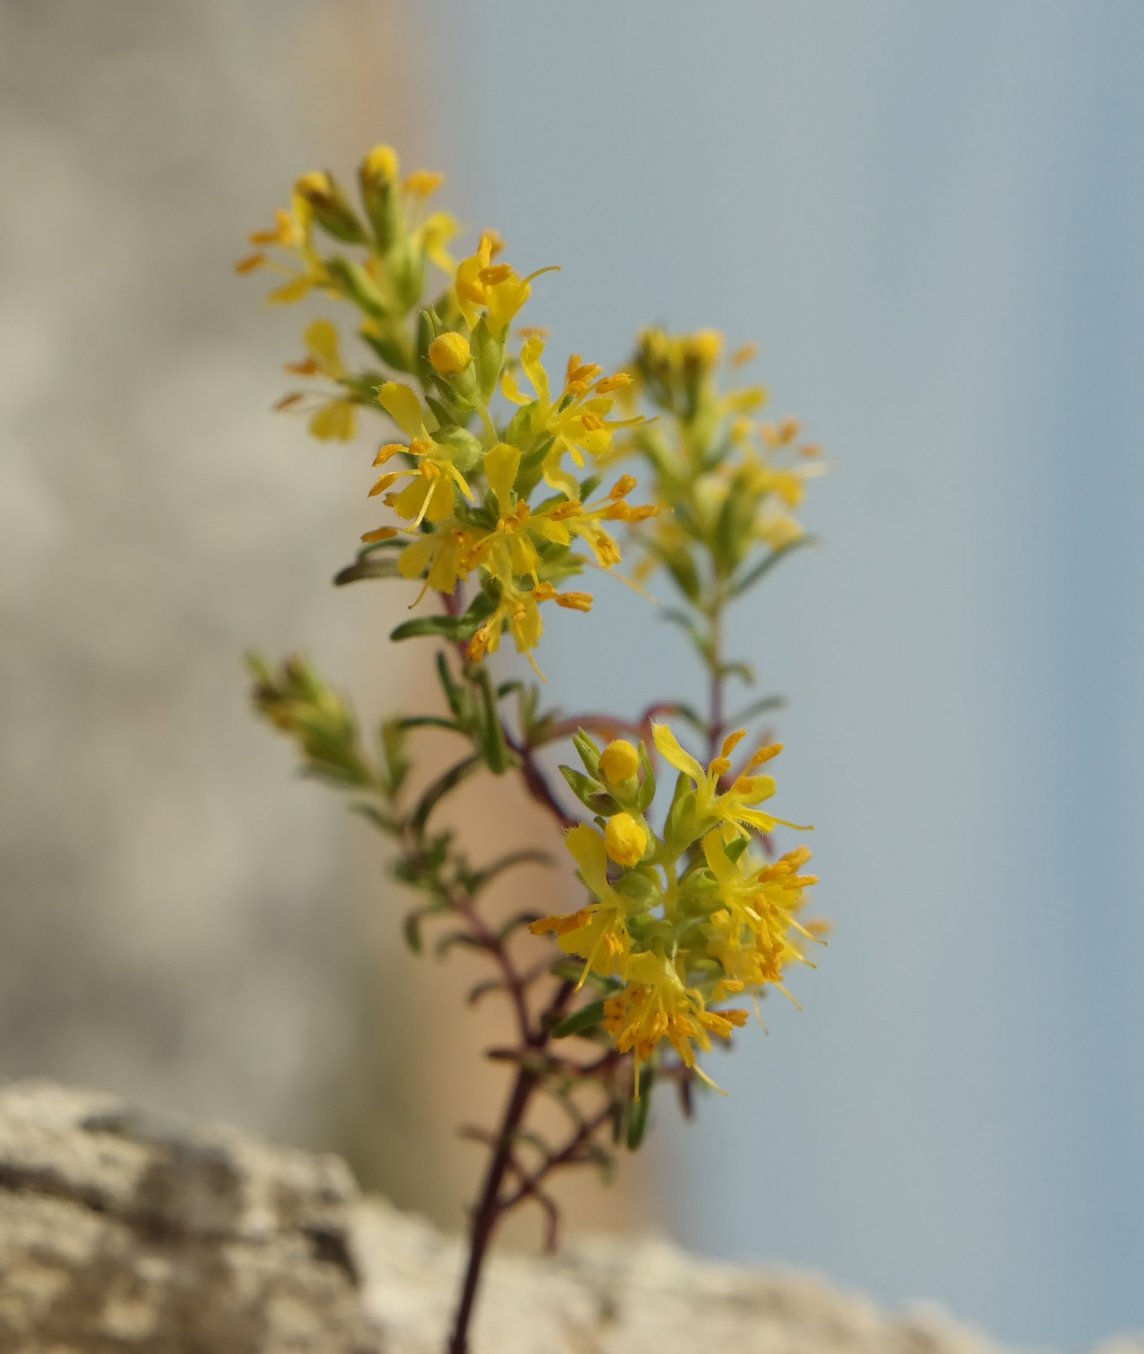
[[455, 938], [441, 787], [760, 707], [375, 816], [638, 1110], [386, 567], [429, 722], [447, 627], [528, 856], [764, 566], [580, 1020]]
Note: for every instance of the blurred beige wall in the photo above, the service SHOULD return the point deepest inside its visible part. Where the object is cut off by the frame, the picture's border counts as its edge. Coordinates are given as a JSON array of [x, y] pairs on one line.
[[182, 921]]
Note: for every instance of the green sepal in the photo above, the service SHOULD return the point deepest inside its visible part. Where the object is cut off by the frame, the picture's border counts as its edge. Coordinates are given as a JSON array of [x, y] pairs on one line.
[[588, 792], [682, 569], [390, 349], [647, 784], [488, 357], [361, 289], [589, 752]]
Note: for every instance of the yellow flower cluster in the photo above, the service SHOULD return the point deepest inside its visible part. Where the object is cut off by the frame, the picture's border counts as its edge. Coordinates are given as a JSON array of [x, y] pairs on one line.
[[500, 501], [687, 916], [733, 481]]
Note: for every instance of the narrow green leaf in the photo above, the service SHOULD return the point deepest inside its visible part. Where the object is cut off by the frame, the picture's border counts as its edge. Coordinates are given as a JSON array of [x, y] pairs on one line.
[[638, 1110], [580, 1020], [441, 787], [764, 566]]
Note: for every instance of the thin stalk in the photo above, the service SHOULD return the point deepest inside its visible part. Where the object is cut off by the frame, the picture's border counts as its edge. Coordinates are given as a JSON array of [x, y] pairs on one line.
[[491, 1204]]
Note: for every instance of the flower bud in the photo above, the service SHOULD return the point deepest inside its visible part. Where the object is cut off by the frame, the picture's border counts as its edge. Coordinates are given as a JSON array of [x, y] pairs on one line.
[[619, 761], [377, 178], [625, 839], [449, 353], [330, 208]]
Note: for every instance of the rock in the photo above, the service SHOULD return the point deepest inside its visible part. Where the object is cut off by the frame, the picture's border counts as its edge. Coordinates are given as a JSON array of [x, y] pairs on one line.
[[127, 1230]]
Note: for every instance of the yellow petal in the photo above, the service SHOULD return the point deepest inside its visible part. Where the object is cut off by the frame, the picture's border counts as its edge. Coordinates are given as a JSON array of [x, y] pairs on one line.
[[530, 361], [322, 340], [501, 465], [722, 868], [668, 747], [511, 391], [334, 422], [402, 405], [291, 291], [586, 846]]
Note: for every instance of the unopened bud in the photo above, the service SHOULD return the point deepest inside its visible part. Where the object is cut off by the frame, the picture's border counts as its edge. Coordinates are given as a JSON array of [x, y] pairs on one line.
[[625, 839], [449, 353], [619, 761]]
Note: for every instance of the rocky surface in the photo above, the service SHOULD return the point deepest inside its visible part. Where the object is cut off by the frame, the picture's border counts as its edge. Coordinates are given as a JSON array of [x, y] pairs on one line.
[[127, 1230], [122, 1229]]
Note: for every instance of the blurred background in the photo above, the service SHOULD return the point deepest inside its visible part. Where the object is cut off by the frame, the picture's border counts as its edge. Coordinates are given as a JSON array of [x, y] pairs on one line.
[[932, 218]]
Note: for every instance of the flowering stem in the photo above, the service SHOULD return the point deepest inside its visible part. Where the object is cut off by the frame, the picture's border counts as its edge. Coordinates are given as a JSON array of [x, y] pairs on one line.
[[492, 1204], [714, 656]]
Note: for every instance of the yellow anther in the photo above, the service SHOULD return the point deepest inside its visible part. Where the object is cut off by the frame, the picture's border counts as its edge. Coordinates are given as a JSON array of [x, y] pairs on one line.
[[731, 742], [449, 353], [623, 486], [619, 761], [574, 601], [625, 839], [764, 755], [616, 382], [423, 183]]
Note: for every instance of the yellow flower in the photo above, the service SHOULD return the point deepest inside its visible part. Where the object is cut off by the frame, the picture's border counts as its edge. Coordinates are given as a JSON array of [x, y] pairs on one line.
[[749, 934], [335, 419], [597, 933], [495, 288], [292, 232], [656, 1004], [576, 420], [429, 495], [733, 808]]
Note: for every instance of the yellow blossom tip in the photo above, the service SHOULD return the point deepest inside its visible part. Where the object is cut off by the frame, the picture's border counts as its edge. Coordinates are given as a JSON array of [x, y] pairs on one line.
[[617, 382], [744, 354], [705, 346], [619, 761], [623, 486], [379, 534], [315, 185], [449, 353], [380, 165], [250, 264], [625, 839], [764, 755]]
